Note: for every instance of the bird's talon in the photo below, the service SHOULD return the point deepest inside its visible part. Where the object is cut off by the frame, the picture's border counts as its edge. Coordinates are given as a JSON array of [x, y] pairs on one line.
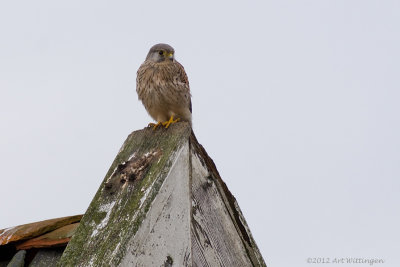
[[171, 120], [155, 125]]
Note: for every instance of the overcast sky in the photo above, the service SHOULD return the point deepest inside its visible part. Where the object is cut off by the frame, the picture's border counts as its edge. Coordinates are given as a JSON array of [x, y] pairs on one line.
[[297, 102]]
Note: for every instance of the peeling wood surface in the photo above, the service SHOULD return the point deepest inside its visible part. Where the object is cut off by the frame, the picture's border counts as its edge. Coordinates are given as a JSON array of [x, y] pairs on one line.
[[214, 236], [162, 203], [120, 205], [165, 232], [230, 203]]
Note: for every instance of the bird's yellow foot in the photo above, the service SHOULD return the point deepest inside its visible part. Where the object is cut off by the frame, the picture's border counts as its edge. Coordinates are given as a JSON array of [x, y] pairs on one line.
[[166, 124], [155, 125]]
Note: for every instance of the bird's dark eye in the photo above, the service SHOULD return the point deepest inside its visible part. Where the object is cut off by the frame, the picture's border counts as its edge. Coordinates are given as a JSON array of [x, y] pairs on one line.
[[161, 53]]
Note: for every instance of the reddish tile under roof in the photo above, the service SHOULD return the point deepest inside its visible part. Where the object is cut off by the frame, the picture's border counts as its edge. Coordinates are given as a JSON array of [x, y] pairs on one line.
[[58, 237], [32, 230]]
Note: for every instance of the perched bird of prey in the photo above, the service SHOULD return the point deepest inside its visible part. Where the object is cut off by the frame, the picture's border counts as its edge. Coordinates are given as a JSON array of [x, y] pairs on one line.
[[163, 87]]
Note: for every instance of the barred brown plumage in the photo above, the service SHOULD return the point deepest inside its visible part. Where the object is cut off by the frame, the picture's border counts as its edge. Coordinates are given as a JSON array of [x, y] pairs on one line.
[[163, 87]]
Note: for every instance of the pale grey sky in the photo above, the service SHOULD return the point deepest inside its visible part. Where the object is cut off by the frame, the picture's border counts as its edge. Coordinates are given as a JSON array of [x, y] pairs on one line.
[[297, 102]]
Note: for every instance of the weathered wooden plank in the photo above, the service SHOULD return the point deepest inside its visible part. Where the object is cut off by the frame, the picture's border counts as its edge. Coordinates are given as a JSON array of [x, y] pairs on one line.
[[162, 203], [210, 171], [165, 232], [216, 240], [124, 198]]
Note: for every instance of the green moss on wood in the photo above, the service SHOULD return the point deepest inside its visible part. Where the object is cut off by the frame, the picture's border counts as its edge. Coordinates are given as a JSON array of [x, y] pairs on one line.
[[97, 245]]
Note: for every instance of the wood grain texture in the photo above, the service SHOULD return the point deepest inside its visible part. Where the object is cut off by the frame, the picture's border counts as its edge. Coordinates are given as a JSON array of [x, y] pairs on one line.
[[165, 232], [120, 205], [162, 203], [230, 203], [214, 236]]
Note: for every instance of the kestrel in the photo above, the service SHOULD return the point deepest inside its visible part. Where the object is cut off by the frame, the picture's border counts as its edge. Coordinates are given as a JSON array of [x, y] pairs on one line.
[[163, 87]]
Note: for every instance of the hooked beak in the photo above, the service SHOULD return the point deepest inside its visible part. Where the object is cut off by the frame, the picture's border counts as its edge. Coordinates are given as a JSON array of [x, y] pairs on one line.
[[170, 56]]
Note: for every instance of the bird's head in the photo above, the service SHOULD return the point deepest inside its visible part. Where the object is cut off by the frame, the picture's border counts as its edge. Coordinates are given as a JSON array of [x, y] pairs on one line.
[[160, 53]]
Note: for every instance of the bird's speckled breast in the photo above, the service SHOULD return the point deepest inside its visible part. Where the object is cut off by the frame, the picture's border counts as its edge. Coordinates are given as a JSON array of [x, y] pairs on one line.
[[164, 89], [152, 83]]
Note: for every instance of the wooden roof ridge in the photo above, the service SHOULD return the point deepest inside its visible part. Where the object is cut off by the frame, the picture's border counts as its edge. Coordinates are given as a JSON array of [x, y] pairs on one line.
[[161, 203]]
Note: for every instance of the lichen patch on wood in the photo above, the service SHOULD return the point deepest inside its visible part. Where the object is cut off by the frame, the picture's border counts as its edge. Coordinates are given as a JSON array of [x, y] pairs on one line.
[[162, 203], [153, 153]]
